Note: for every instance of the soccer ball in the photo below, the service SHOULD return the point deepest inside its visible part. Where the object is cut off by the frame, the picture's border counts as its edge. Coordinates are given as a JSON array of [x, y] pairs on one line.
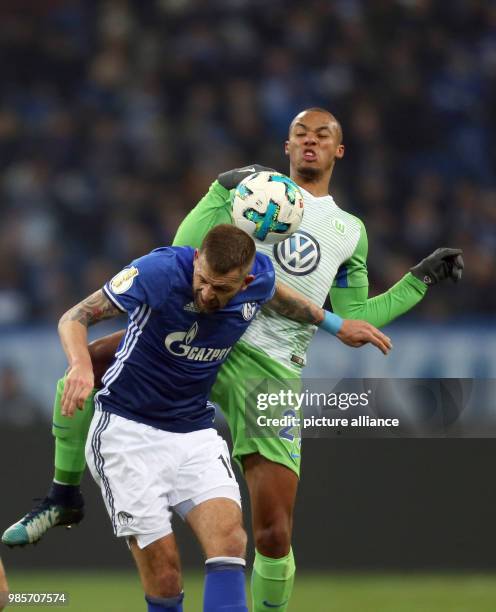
[[268, 206]]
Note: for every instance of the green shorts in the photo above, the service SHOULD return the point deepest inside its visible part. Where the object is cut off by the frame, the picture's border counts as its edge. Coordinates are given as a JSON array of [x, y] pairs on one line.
[[247, 373]]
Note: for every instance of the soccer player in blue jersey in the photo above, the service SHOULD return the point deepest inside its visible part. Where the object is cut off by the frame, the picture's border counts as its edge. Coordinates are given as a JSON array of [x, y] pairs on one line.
[[151, 445]]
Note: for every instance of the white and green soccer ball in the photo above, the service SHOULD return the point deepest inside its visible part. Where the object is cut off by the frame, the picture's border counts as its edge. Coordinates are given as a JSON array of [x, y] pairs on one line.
[[268, 206]]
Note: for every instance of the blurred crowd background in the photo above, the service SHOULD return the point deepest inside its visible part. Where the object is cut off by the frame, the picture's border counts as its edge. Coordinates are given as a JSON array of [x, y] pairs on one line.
[[115, 117]]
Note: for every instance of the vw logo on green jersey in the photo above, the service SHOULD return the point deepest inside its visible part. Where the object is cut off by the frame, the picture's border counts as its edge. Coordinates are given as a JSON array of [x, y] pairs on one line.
[[299, 254]]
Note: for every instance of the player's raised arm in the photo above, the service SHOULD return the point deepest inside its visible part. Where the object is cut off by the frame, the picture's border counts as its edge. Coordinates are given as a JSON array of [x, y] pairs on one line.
[[73, 331], [214, 208], [350, 291], [292, 304]]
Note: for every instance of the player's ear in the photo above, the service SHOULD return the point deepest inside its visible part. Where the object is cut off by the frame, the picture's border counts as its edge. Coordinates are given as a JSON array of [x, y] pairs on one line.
[[286, 147], [340, 151], [196, 259], [249, 278]]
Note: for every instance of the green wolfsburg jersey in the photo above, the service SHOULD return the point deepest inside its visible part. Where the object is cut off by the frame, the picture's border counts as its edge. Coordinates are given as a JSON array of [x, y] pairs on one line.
[[308, 261], [328, 254]]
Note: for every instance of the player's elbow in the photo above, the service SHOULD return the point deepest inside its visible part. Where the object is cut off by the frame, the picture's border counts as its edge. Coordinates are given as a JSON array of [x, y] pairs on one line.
[[61, 321], [67, 317], [354, 312]]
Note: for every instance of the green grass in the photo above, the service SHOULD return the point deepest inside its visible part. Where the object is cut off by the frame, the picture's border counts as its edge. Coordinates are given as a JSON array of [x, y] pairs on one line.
[[120, 592]]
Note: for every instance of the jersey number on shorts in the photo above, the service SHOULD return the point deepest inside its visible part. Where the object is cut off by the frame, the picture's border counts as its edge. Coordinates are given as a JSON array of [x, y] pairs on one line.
[[227, 464]]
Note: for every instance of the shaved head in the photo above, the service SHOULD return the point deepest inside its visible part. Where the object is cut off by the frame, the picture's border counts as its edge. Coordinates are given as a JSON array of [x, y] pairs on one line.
[[300, 117], [314, 144]]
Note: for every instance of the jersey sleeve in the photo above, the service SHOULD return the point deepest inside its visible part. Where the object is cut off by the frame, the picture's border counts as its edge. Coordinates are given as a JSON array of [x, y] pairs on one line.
[[353, 272], [350, 289], [261, 289], [270, 281], [267, 276], [213, 209], [146, 280], [353, 303]]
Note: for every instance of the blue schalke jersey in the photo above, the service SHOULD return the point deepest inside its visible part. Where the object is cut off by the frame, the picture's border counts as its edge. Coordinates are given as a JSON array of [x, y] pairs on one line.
[[168, 360]]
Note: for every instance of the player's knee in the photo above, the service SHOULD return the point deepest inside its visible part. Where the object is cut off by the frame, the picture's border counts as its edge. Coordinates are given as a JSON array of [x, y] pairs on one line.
[[232, 543], [237, 542], [273, 539]]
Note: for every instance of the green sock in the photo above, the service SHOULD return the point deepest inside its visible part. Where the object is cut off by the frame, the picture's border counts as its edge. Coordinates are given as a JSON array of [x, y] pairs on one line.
[[272, 582], [70, 439]]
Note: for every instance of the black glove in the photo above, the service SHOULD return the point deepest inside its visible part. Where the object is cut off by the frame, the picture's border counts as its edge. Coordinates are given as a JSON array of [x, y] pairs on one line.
[[232, 178], [442, 264]]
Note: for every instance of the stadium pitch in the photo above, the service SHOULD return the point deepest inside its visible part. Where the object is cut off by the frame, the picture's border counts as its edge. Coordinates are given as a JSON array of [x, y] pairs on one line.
[[120, 592]]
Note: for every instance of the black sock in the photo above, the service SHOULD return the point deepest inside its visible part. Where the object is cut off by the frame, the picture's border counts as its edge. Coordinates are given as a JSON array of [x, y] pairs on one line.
[[66, 495]]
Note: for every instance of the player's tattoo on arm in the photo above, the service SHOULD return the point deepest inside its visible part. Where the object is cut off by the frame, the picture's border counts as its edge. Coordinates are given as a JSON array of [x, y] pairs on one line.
[[96, 307], [294, 305]]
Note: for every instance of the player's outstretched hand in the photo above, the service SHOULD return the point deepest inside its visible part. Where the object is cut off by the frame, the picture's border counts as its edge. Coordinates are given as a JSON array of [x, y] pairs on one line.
[[78, 386], [357, 333], [232, 178], [438, 266]]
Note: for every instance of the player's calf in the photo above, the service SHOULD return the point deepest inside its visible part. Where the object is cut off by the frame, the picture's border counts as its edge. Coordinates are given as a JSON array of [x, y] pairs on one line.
[[272, 489], [64, 504], [160, 573], [217, 523]]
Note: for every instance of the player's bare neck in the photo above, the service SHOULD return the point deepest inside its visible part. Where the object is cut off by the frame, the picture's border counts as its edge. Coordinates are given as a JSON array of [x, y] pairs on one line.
[[316, 184], [318, 189]]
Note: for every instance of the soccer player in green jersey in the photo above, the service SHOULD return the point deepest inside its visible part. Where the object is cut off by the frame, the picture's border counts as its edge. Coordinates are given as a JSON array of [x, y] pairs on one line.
[[327, 256]]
